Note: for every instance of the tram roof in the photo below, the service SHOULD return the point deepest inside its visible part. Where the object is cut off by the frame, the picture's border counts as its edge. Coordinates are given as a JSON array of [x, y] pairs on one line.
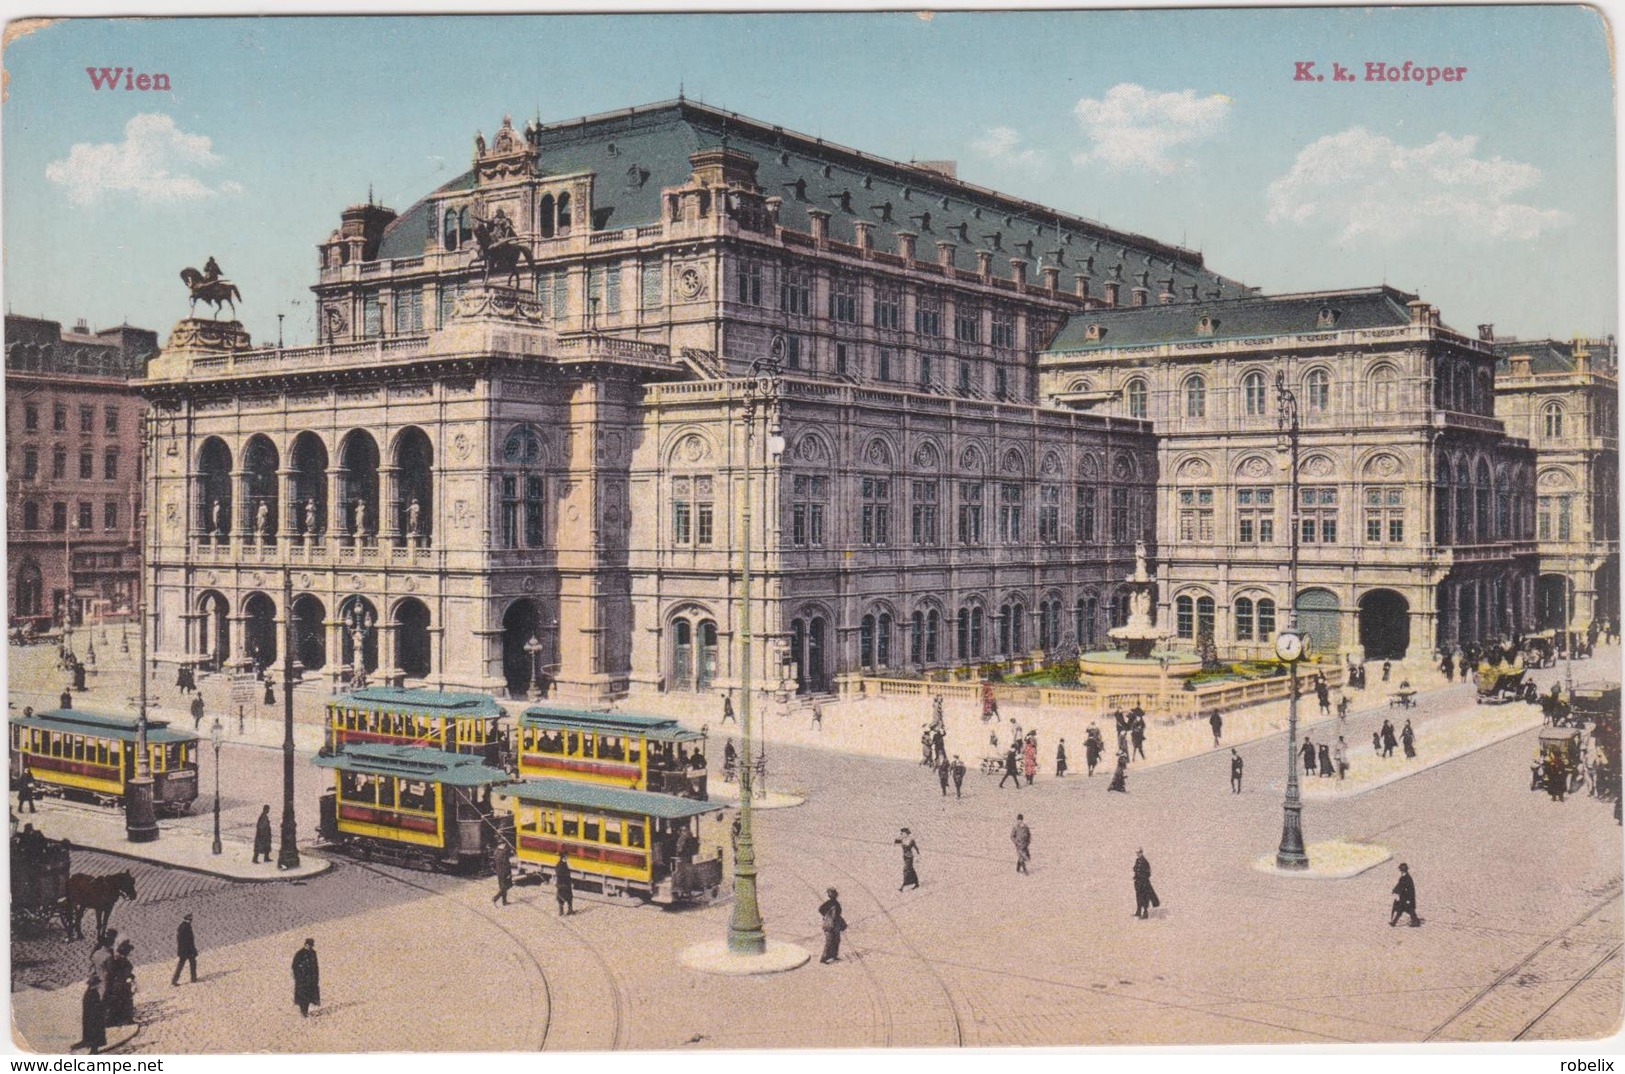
[[656, 728], [431, 702], [413, 762], [103, 725], [612, 799]]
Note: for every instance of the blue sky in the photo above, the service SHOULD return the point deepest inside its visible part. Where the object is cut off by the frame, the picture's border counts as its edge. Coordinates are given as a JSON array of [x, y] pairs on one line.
[[1493, 197]]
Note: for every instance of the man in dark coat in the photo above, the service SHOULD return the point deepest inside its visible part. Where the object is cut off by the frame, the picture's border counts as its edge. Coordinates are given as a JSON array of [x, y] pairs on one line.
[[1093, 746], [834, 924], [1307, 750], [1387, 669], [910, 848], [944, 773], [1012, 765], [959, 776], [1325, 760], [1060, 757], [564, 886], [262, 836], [25, 791], [92, 1019], [197, 712], [185, 951], [728, 709], [307, 978], [1136, 732], [1145, 896], [1388, 739], [1217, 723], [502, 866], [1120, 777], [1408, 737], [1404, 897], [66, 700], [1022, 837], [1235, 771]]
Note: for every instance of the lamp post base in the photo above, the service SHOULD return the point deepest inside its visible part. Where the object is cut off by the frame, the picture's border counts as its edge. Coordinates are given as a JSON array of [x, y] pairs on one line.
[[716, 957], [1291, 855], [288, 855], [140, 814]]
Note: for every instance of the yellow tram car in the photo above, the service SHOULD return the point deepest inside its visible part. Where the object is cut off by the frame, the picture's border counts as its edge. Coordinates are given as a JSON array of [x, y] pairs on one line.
[[389, 715], [642, 753], [91, 755], [624, 842], [412, 805]]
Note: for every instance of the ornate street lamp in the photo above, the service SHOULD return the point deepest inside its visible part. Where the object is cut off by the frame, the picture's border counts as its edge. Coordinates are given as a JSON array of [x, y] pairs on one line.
[[745, 933], [216, 733], [140, 816], [1289, 643], [534, 648]]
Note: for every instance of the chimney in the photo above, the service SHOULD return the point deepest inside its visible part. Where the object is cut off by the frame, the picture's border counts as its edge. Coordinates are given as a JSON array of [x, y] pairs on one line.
[[1486, 332], [820, 224], [1111, 292], [773, 207], [81, 327], [1080, 285], [905, 244], [1518, 365], [1582, 359], [1167, 294], [984, 262], [1018, 270], [1052, 278], [1419, 311], [945, 254], [1141, 295], [865, 234]]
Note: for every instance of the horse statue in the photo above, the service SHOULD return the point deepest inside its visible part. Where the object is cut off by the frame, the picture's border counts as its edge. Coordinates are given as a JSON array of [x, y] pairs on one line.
[[98, 893], [210, 287], [501, 248]]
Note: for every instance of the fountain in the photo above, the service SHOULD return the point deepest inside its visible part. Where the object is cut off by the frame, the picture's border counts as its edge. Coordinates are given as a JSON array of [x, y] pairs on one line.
[[1139, 667]]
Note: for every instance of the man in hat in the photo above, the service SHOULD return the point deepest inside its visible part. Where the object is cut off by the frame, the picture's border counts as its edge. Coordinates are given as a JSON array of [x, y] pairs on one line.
[[92, 1018], [1022, 837], [25, 791], [959, 776], [185, 951], [502, 866], [1404, 898], [1235, 771], [1145, 896], [834, 925], [307, 978], [564, 889], [910, 849], [1217, 723], [262, 836], [197, 712]]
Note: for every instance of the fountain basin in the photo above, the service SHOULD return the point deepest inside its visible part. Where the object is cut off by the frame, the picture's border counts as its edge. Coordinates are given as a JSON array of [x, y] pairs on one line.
[[1113, 671]]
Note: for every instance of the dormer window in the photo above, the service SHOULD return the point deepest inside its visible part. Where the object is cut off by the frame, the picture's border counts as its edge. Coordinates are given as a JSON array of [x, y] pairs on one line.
[[1206, 326], [1327, 317], [1095, 331]]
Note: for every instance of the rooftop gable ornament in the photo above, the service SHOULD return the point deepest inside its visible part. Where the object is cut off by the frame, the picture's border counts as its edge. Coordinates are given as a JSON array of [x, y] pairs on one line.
[[508, 157]]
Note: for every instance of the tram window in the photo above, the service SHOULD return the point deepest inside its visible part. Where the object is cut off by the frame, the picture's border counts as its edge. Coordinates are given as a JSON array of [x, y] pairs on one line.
[[612, 747], [634, 834], [549, 822], [551, 742], [356, 786], [634, 749], [571, 826], [417, 795], [78, 747], [591, 829], [612, 831], [572, 743]]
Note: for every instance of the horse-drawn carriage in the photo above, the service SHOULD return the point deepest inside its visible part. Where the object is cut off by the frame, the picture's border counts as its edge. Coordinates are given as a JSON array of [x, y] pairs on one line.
[[1558, 757], [39, 878], [1540, 650], [1502, 682]]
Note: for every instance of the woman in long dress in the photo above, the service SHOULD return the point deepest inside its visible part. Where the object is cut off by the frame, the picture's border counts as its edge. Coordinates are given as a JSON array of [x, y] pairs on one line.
[[120, 995]]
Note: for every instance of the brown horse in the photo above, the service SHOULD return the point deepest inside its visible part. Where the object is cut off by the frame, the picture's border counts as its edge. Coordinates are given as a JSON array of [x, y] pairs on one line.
[[218, 292], [98, 893]]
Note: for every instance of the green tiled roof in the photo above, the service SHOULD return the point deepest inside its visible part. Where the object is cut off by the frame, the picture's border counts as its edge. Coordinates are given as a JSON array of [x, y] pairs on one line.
[[584, 795], [637, 152], [1549, 355], [1378, 307], [656, 728], [422, 702], [413, 762], [103, 725]]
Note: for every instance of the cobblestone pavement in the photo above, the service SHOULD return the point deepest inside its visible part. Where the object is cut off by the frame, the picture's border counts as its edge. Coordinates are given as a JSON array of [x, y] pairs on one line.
[[1521, 900]]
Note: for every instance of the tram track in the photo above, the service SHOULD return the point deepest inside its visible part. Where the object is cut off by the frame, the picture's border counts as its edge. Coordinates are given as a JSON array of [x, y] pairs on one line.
[[616, 991], [1582, 979], [877, 992]]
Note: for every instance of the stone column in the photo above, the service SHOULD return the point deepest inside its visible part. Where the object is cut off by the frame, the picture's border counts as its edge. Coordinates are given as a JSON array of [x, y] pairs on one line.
[[338, 511], [242, 522], [290, 521], [238, 655], [338, 671], [388, 527], [389, 669]]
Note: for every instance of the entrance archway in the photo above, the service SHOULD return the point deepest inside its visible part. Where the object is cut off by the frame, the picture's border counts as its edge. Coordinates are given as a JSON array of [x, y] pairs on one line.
[[1552, 601], [520, 623], [259, 629], [261, 506], [414, 483], [309, 464], [412, 638], [1385, 625], [310, 632], [214, 629], [214, 489], [1317, 617]]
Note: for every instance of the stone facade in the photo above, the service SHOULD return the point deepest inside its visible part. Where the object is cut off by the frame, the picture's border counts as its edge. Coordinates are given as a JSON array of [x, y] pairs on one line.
[[1563, 397], [73, 486], [478, 486], [1416, 507]]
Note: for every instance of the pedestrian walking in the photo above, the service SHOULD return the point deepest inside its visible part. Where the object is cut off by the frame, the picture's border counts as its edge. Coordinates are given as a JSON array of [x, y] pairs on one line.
[[1145, 896], [1235, 771], [958, 768], [1093, 747], [1022, 837], [1388, 739], [1408, 737], [818, 716], [1137, 730], [502, 866], [1448, 666], [1323, 694], [92, 1018], [101, 957], [730, 761], [564, 885], [944, 773], [990, 707], [1376, 742], [1343, 706], [25, 791], [307, 979], [262, 836], [1340, 757], [1120, 777], [1060, 757], [1325, 761], [728, 709], [733, 833], [1307, 751], [1029, 756], [197, 712], [834, 924], [939, 744], [118, 992], [185, 951], [66, 700], [910, 850], [1217, 723], [1387, 667], [270, 690], [1121, 719], [1404, 898], [936, 711], [925, 746], [1557, 777], [1012, 767]]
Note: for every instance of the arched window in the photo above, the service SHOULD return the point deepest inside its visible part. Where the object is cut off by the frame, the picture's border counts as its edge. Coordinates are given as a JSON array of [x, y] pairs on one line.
[[1317, 390], [883, 640], [1463, 394], [1503, 505], [1483, 497], [1382, 386], [564, 213], [544, 216], [1254, 395], [1204, 617], [1136, 398], [465, 233], [1266, 619], [933, 623], [866, 642], [1441, 503], [1464, 505], [1552, 415], [449, 233], [1185, 618], [1196, 396], [1244, 619], [30, 515], [916, 638], [523, 488]]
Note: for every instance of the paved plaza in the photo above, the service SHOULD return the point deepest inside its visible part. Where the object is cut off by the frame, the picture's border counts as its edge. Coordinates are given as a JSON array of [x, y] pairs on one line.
[[1520, 897]]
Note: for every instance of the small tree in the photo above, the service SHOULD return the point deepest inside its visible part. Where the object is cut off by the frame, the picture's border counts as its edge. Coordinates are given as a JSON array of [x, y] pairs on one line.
[[1207, 650]]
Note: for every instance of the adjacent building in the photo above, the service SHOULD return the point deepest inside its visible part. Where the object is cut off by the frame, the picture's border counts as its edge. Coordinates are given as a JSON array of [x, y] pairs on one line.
[[1415, 516], [73, 482], [536, 479], [1563, 397]]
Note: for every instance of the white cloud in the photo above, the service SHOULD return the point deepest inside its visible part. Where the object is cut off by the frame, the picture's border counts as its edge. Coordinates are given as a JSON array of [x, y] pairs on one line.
[[156, 162], [1136, 129], [1366, 184], [1000, 144]]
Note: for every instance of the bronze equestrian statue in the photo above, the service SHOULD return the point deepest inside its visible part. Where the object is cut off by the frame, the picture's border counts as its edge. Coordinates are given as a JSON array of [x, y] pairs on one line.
[[210, 287], [501, 248]]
